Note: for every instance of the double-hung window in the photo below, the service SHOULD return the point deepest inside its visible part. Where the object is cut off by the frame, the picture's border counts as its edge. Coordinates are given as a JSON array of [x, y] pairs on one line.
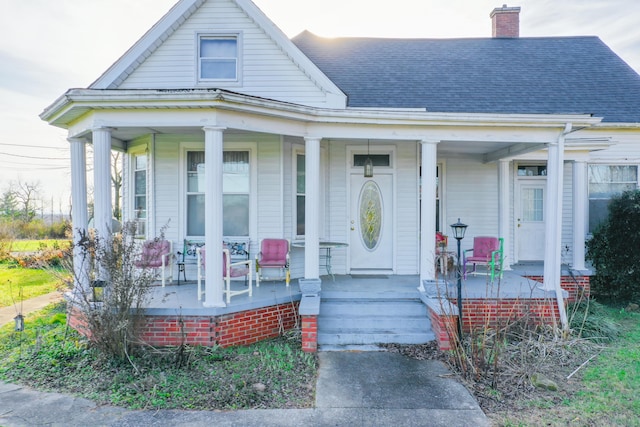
[[140, 194], [236, 184], [605, 182], [218, 58]]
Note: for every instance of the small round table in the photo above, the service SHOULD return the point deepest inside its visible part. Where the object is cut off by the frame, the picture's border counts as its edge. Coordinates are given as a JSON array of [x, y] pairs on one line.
[[327, 246]]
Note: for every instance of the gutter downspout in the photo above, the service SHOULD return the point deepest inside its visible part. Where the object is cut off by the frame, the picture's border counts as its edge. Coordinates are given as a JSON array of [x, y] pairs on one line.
[[552, 263]]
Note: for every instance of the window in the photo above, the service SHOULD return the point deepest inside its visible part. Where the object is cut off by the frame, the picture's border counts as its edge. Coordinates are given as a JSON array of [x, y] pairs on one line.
[[235, 200], [140, 194], [606, 181], [439, 205], [300, 193], [218, 58]]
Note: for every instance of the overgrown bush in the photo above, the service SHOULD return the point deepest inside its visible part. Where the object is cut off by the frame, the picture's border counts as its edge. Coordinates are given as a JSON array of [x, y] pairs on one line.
[[591, 320], [112, 321], [613, 250], [11, 228]]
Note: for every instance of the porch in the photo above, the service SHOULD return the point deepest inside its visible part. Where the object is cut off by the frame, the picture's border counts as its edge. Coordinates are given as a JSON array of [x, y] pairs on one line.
[[352, 310]]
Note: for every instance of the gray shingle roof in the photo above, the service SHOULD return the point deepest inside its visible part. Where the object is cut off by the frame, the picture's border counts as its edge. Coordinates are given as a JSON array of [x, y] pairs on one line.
[[483, 75]]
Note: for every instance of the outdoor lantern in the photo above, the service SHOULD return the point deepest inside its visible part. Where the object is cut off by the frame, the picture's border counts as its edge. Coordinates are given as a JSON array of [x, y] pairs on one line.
[[97, 287], [19, 319], [458, 232], [368, 164]]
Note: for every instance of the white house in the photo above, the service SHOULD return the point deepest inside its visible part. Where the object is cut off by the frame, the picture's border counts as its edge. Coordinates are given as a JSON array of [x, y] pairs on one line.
[[522, 138]]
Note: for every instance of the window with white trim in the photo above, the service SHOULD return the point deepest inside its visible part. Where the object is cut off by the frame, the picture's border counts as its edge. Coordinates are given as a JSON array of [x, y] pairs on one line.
[[299, 188], [140, 194], [218, 58], [300, 192], [605, 182], [236, 186]]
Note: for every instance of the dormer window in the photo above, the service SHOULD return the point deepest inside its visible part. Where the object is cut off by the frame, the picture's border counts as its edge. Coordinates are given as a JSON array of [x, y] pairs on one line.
[[218, 58]]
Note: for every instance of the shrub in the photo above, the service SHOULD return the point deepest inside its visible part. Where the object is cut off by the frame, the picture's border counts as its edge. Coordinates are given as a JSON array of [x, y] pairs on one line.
[[613, 250], [112, 321]]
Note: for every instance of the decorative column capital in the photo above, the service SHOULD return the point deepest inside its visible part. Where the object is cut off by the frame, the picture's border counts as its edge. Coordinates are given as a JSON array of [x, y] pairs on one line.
[[214, 128], [77, 139], [429, 141]]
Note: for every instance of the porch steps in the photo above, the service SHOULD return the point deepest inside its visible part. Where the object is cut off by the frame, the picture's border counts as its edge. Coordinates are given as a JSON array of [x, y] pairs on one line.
[[362, 319]]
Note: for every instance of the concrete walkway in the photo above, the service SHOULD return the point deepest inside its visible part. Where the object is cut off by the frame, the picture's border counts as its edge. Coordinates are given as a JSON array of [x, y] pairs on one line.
[[27, 306], [353, 389], [372, 388]]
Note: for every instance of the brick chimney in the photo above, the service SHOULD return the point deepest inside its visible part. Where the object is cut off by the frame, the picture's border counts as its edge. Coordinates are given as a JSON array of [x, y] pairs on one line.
[[505, 22]]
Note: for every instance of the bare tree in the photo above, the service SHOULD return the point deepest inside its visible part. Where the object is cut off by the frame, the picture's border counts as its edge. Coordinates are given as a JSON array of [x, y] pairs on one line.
[[26, 194], [116, 180]]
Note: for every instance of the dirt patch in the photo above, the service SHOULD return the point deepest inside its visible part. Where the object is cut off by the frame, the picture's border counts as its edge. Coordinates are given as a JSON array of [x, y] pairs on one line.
[[505, 391]]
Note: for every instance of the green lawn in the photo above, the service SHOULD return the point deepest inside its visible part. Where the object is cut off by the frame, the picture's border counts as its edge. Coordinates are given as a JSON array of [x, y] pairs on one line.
[[17, 283], [36, 245], [270, 374], [612, 384]]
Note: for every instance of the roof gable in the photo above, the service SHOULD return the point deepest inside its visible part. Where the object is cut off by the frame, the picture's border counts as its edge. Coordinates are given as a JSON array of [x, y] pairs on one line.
[[557, 75], [273, 67]]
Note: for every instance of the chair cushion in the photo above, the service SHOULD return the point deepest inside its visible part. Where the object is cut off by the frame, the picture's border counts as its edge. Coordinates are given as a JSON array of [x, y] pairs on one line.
[[152, 252], [482, 248], [273, 252]]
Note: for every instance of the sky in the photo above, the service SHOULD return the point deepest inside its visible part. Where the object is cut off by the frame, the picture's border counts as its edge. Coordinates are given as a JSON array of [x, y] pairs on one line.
[[47, 47]]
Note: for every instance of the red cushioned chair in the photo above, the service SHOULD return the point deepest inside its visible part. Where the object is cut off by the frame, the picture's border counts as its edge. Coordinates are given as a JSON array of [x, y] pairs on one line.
[[486, 251], [157, 254], [274, 254]]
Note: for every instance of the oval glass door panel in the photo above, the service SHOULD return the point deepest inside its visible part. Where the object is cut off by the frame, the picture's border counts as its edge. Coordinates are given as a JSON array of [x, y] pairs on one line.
[[370, 215]]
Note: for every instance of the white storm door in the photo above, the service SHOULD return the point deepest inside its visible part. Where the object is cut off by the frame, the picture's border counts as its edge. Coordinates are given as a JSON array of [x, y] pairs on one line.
[[530, 220], [371, 224]]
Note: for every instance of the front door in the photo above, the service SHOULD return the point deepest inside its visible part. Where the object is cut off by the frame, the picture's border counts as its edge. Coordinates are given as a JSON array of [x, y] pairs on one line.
[[371, 224], [530, 219]]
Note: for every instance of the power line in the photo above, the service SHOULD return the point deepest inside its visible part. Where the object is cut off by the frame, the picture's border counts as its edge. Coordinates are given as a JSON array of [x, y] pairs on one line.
[[34, 157], [32, 146]]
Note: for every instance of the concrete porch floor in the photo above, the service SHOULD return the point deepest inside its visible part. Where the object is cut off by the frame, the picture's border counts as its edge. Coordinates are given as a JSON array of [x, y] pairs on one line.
[[182, 299]]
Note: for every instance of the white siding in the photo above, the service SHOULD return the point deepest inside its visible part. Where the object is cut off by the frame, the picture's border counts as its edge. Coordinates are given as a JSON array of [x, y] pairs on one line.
[[337, 208], [407, 221], [266, 70], [472, 196], [567, 214]]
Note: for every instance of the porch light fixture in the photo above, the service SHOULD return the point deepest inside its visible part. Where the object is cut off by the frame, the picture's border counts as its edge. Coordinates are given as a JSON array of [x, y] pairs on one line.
[[458, 232], [368, 164], [19, 319]]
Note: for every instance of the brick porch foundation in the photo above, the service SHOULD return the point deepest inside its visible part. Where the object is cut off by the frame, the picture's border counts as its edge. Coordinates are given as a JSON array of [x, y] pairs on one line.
[[241, 328], [492, 312]]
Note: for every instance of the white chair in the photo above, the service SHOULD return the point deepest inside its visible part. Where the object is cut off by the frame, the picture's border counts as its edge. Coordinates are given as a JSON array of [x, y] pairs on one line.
[[229, 269]]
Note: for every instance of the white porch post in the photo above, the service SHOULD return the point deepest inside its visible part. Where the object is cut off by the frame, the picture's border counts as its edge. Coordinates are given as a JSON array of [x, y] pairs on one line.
[[79, 212], [579, 213], [312, 208], [428, 212], [504, 203], [102, 210], [213, 150], [553, 222]]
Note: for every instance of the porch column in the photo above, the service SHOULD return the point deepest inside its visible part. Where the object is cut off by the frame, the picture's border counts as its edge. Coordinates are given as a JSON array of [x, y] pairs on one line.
[[213, 150], [428, 212], [504, 202], [312, 208], [553, 222], [102, 210], [79, 212], [579, 213]]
